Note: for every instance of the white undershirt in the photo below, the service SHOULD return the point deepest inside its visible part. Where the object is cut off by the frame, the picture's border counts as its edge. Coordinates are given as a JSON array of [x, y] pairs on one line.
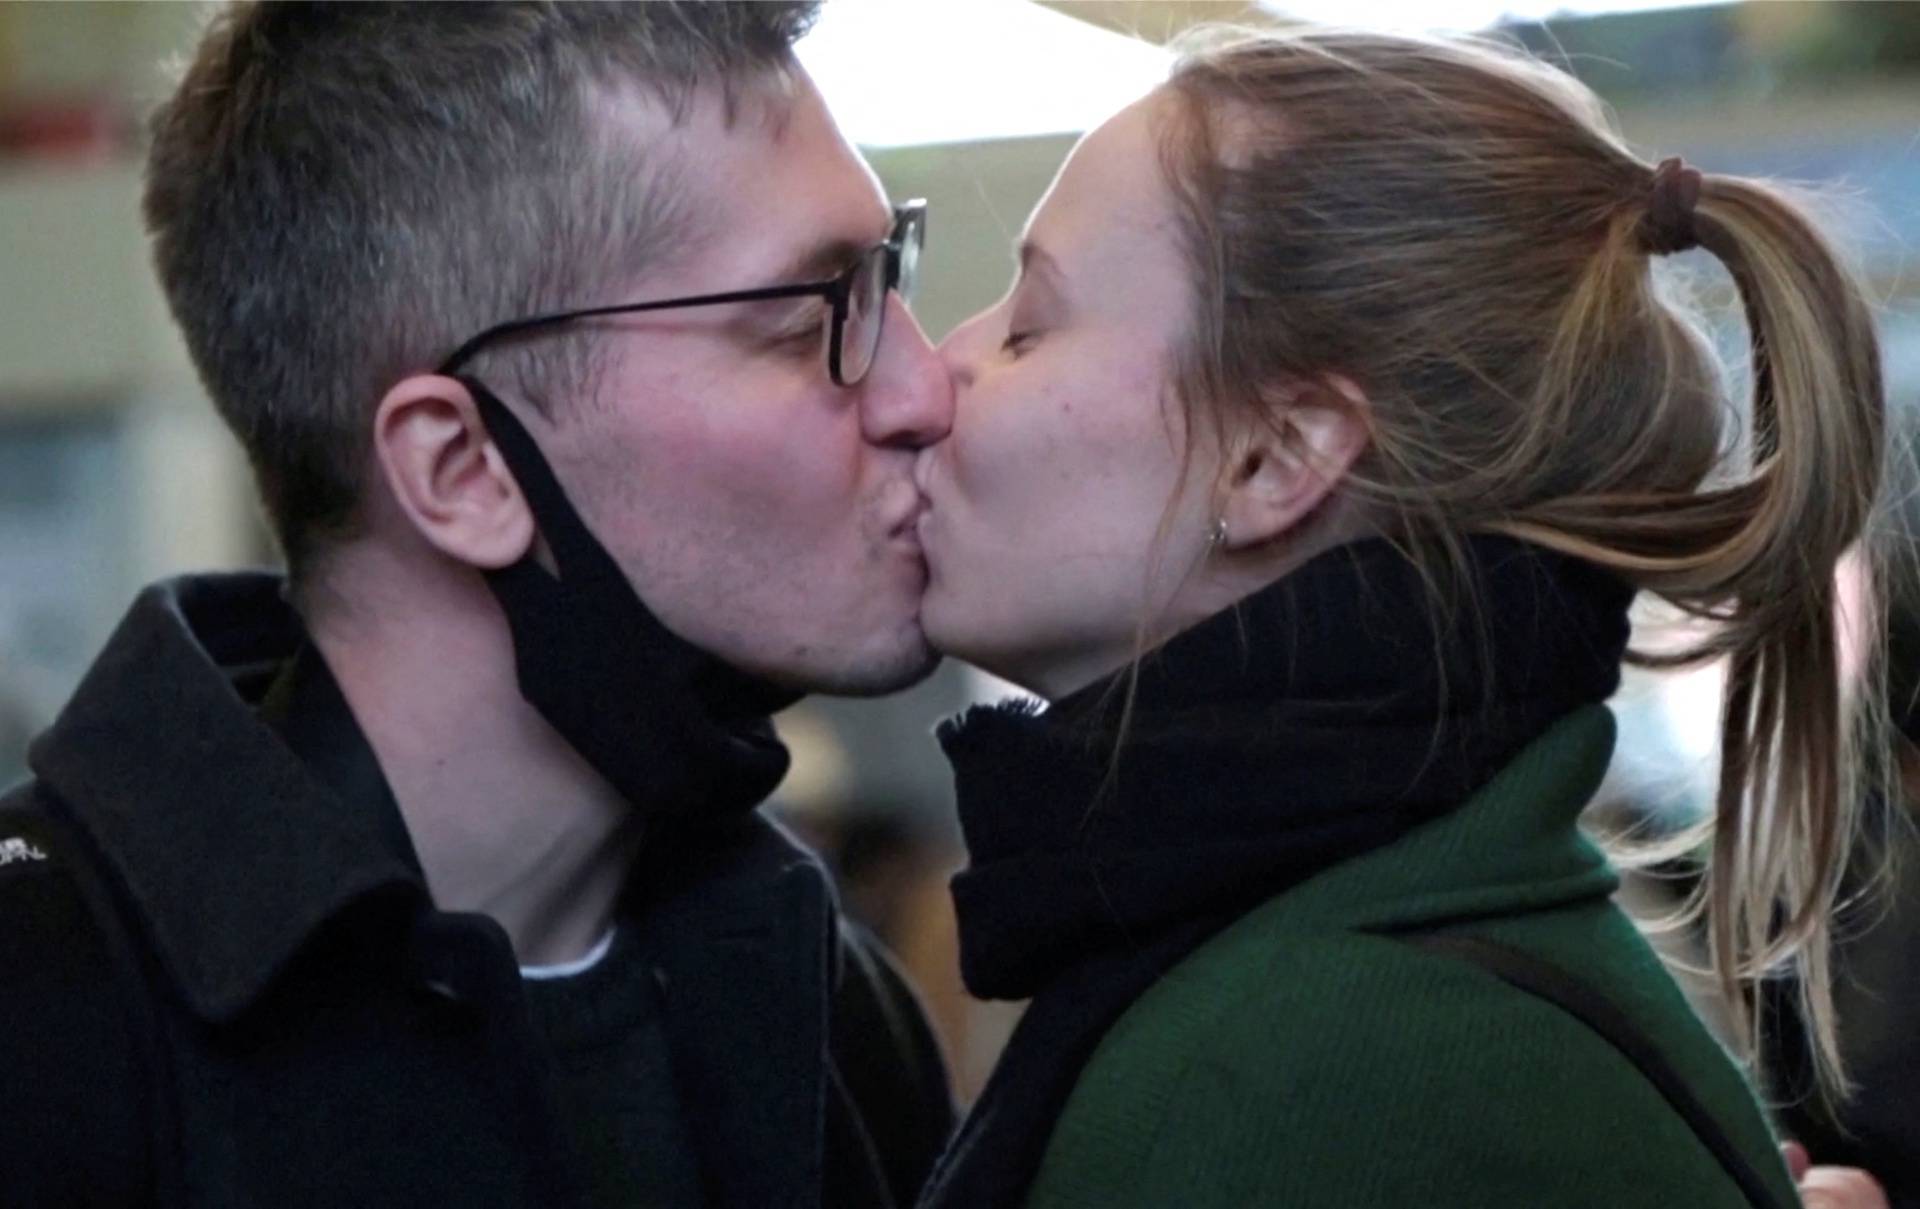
[[567, 969]]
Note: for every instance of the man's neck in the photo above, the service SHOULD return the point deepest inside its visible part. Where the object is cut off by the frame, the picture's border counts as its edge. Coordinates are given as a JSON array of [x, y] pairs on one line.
[[508, 820]]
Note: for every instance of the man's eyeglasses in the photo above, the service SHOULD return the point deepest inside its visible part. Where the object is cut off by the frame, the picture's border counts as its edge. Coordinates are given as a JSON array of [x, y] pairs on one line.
[[858, 297]]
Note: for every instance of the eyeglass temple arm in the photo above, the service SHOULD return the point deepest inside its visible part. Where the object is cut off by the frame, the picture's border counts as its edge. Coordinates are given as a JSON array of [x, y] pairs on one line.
[[461, 355]]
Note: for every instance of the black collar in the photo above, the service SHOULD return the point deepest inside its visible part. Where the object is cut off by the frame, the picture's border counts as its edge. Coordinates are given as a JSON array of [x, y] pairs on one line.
[[213, 764], [230, 847], [1320, 718]]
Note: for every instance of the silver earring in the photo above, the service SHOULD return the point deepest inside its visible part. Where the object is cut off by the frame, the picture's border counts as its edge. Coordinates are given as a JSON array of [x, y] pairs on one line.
[[1218, 537]]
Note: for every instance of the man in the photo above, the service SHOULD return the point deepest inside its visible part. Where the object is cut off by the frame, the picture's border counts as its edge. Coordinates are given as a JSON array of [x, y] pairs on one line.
[[432, 876]]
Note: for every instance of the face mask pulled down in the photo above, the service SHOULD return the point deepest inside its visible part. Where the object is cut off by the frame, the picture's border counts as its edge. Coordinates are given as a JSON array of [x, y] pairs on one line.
[[681, 735]]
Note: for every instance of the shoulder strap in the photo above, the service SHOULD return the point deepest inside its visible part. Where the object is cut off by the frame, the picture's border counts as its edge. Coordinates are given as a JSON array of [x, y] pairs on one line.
[[1544, 980]]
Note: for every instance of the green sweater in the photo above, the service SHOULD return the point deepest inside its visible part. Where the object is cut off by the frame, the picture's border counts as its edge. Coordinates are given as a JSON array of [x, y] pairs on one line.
[[1302, 1059]]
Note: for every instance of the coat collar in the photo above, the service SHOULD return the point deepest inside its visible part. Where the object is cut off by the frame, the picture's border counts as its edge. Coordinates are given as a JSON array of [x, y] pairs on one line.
[[232, 851], [1319, 720], [235, 853], [1515, 846]]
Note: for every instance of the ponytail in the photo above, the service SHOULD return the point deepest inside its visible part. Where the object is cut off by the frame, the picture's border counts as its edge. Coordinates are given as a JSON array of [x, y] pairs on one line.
[[1800, 749]]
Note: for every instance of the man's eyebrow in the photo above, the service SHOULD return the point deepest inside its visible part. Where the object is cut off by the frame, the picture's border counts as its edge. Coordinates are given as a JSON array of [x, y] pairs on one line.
[[822, 260], [830, 256]]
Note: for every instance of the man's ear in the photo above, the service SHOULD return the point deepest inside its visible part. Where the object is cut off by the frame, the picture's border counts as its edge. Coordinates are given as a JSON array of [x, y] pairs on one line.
[[1282, 471], [446, 474]]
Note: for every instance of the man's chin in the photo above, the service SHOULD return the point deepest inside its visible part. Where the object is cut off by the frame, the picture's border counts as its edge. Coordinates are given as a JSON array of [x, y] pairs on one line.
[[876, 675]]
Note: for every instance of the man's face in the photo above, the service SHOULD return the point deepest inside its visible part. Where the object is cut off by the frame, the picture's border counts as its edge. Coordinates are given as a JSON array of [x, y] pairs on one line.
[[763, 513]]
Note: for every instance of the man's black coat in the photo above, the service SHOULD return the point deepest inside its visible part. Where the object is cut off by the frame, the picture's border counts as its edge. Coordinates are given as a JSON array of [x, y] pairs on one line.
[[221, 985]]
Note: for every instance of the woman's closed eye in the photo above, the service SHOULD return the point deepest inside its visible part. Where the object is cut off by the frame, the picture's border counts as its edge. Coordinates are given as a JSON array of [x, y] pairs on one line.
[[1025, 322], [1018, 341], [1033, 309]]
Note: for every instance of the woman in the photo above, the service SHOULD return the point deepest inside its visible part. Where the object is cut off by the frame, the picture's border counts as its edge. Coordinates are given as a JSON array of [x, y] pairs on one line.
[[1334, 382]]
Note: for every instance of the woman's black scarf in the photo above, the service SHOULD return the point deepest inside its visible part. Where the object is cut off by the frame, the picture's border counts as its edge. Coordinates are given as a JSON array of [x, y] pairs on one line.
[[1323, 717]]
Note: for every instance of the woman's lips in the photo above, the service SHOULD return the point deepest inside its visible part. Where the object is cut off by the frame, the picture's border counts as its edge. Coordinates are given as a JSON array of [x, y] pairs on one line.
[[903, 506]]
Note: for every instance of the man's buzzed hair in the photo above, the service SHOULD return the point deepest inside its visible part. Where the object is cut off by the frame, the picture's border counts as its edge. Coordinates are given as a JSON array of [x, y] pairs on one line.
[[340, 193]]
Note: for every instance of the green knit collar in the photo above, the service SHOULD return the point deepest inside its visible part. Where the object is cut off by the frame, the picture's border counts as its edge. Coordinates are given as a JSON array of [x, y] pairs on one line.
[[1516, 845]]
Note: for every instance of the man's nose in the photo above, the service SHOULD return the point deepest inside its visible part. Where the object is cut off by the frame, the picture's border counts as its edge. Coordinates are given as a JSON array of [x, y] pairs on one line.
[[906, 399]]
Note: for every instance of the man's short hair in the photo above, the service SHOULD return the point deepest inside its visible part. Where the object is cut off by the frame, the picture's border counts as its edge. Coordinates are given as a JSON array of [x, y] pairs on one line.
[[340, 193]]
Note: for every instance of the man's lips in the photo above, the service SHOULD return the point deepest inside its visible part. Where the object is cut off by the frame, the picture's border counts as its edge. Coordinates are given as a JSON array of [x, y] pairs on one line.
[[906, 520]]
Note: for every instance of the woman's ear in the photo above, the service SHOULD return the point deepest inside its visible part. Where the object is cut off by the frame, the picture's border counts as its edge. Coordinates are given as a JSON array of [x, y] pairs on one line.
[[446, 474], [1285, 470]]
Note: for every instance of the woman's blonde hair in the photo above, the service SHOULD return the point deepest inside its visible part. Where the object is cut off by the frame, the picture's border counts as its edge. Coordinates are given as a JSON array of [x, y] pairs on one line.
[[1456, 227]]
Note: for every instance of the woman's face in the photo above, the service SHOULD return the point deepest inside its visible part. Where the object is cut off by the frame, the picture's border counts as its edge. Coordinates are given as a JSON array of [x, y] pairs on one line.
[[1048, 501]]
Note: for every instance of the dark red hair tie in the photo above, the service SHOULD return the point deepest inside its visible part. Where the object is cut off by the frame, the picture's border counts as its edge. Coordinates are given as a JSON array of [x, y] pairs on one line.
[[1668, 226]]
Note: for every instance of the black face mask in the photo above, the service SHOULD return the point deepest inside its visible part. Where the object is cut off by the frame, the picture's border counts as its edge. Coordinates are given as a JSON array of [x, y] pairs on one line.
[[681, 735]]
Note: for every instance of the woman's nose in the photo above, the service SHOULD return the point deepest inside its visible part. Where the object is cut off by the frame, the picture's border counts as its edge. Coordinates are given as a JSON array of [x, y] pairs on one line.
[[960, 352]]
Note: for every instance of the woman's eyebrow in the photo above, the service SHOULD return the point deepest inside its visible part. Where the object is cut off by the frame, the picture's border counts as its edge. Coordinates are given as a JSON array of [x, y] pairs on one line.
[[1034, 258], [1038, 266]]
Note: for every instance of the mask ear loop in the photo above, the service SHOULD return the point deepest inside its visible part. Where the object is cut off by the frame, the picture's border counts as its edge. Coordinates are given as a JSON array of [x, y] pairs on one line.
[[668, 725], [578, 555]]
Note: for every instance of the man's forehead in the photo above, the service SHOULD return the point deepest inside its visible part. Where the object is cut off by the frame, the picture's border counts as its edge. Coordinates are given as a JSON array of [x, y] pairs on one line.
[[774, 201]]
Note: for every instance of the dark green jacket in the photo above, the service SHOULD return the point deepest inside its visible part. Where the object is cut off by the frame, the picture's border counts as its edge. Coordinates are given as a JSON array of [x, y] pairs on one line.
[[1303, 1058]]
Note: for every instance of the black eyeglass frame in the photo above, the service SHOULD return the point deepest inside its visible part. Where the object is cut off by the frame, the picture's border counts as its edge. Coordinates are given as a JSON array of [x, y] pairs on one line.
[[901, 249]]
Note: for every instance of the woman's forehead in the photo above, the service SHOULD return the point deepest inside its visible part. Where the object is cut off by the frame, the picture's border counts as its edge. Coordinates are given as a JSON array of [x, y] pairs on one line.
[[1110, 190]]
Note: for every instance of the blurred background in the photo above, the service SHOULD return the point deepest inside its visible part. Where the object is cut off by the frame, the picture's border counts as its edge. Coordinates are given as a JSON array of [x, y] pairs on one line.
[[114, 471]]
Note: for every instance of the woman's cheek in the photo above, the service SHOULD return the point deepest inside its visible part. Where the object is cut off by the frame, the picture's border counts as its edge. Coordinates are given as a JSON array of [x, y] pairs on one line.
[[989, 451]]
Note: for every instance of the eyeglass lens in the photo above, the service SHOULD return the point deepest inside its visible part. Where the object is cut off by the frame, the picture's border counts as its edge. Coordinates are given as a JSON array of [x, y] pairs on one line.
[[866, 310]]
